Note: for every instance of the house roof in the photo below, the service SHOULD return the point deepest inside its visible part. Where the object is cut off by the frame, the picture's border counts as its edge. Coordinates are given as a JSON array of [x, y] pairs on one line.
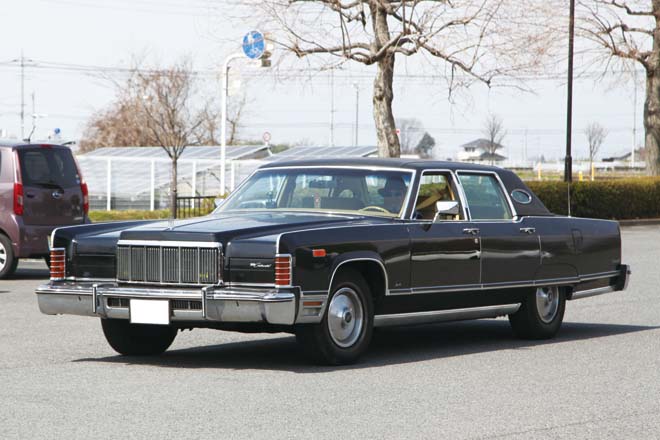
[[480, 144]]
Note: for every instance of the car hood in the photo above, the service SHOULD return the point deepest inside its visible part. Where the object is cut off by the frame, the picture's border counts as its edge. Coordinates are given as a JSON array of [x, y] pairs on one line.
[[221, 228]]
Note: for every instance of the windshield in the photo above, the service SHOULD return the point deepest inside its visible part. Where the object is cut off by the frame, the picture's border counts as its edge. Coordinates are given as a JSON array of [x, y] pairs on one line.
[[357, 191]]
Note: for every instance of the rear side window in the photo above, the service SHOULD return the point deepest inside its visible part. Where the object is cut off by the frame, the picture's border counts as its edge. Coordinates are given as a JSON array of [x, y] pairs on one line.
[[48, 167], [485, 197]]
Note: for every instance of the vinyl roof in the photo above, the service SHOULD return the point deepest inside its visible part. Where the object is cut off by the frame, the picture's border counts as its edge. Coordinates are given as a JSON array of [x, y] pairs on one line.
[[416, 164]]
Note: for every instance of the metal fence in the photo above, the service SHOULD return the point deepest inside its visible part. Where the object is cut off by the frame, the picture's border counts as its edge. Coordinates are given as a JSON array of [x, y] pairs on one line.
[[121, 183]]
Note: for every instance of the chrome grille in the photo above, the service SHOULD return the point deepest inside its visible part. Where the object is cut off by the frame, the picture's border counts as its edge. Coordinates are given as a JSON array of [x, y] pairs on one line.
[[187, 264]]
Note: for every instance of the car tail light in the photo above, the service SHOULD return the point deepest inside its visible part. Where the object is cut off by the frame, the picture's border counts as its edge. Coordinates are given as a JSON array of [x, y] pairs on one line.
[[283, 270], [18, 187], [85, 193], [83, 187], [18, 198], [57, 264]]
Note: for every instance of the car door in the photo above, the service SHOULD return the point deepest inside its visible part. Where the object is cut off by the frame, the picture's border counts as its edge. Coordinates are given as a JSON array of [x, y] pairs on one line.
[[51, 186], [510, 247], [444, 253]]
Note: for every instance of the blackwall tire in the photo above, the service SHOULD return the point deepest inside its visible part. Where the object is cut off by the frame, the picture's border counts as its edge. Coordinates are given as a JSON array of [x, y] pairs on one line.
[[137, 339], [540, 315], [345, 331]]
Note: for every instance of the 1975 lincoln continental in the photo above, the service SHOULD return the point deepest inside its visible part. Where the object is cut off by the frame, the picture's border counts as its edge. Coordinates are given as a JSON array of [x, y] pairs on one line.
[[330, 249]]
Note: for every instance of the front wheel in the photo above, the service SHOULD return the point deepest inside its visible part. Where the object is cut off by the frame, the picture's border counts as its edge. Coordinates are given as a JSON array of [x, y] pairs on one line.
[[137, 339], [345, 331], [540, 315]]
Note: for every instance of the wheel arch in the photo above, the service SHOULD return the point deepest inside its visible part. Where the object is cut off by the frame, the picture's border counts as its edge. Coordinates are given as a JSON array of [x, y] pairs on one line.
[[369, 264]]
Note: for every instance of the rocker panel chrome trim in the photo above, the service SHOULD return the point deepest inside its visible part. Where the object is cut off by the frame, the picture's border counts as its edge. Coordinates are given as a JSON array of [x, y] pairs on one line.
[[445, 315], [592, 292]]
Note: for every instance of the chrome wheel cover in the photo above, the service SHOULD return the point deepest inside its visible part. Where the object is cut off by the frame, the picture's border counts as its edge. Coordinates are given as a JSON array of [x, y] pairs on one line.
[[3, 256], [345, 317], [547, 303]]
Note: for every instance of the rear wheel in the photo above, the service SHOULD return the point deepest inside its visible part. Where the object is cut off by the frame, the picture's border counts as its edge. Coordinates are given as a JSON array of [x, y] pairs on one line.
[[540, 315], [8, 260], [137, 339], [345, 331]]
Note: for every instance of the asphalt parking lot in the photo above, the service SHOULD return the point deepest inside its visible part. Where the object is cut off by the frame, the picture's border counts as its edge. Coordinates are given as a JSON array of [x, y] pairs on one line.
[[599, 379]]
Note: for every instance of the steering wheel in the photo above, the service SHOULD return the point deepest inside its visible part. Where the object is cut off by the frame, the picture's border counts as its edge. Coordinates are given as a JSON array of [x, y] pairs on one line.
[[375, 208]]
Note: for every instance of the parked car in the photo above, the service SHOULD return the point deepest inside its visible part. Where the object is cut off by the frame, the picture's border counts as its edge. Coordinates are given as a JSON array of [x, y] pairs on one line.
[[328, 250], [41, 188]]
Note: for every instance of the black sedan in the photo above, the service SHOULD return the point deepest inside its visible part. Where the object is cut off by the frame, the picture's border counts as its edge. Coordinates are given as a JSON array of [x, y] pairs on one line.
[[328, 250]]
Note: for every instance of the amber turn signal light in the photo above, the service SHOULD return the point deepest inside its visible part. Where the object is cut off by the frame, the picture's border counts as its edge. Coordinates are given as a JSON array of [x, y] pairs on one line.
[[57, 264], [282, 270]]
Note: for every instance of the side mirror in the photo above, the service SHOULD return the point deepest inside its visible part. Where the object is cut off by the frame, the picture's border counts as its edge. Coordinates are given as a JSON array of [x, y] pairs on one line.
[[446, 208]]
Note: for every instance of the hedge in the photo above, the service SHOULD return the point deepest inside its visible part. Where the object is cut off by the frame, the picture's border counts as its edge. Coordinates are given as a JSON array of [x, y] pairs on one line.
[[132, 214], [620, 199]]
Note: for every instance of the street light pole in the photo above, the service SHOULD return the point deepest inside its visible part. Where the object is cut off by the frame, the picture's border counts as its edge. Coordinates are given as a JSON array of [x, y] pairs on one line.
[[223, 122], [568, 162], [357, 112]]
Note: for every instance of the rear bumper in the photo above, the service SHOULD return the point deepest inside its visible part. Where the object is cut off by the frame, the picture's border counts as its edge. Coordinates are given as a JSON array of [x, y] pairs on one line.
[[272, 306], [31, 240]]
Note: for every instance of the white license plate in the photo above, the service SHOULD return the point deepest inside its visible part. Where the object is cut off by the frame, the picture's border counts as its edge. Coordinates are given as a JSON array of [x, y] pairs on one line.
[[149, 311]]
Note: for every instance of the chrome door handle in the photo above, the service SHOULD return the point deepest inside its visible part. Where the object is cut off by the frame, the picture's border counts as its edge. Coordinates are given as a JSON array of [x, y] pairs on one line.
[[527, 230], [471, 231]]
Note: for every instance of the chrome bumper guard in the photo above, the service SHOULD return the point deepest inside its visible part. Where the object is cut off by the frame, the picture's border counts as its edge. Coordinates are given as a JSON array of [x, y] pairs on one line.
[[211, 303]]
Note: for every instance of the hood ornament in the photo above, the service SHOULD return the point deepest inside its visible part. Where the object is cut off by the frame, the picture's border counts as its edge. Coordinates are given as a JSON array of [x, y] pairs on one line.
[[170, 224]]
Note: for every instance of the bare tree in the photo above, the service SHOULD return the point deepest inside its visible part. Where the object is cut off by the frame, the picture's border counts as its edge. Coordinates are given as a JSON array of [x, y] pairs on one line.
[[154, 107], [596, 135], [168, 100], [495, 133], [465, 40], [411, 131], [626, 34]]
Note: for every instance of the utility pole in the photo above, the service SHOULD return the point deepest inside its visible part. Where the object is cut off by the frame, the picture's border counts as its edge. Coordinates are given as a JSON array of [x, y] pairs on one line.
[[568, 161], [332, 107], [632, 156], [22, 62], [357, 112]]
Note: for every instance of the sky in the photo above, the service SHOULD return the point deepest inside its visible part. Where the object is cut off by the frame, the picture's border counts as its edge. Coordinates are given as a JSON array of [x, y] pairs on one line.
[[59, 37]]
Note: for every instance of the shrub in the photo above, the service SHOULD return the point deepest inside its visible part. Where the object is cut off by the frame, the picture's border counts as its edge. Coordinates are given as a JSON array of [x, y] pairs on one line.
[[620, 199]]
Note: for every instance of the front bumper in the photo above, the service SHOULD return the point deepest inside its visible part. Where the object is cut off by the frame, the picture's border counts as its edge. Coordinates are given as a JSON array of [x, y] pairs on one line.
[[215, 304]]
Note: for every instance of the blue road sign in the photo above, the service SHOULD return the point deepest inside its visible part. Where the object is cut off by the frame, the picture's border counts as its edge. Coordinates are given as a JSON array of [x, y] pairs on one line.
[[254, 45]]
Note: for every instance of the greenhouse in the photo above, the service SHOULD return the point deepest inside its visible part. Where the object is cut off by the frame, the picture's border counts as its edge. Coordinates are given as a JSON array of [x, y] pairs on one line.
[[139, 177]]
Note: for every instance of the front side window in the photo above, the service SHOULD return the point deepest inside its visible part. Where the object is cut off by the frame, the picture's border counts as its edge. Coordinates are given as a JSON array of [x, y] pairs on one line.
[[433, 188], [372, 192], [485, 197]]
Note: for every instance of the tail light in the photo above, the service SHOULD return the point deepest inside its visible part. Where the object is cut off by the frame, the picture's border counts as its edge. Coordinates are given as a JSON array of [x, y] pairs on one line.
[[85, 193], [57, 264], [18, 187], [83, 186], [18, 198], [283, 270]]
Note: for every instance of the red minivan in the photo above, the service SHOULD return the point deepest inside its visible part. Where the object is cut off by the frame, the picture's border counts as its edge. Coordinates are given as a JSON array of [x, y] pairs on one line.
[[41, 188]]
